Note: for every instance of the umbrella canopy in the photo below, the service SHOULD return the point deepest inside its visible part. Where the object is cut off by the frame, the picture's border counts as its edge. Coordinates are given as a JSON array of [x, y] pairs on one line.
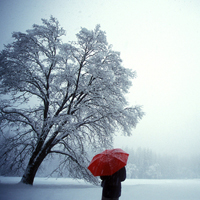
[[108, 162]]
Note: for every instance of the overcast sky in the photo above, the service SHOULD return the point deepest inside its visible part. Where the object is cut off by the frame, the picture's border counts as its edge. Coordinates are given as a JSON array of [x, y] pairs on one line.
[[159, 39]]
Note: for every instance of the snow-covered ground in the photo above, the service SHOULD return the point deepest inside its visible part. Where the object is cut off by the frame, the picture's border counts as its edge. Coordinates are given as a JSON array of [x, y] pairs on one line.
[[69, 189]]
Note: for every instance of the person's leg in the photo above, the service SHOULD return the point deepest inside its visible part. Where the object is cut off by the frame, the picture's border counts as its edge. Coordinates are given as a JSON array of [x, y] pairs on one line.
[[104, 198]]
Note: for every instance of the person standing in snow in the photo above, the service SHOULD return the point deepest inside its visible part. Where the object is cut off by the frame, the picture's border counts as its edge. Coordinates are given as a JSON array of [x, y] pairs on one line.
[[112, 185]]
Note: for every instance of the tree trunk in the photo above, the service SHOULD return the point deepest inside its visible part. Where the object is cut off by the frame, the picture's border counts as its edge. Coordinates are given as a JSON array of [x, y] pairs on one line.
[[32, 168]]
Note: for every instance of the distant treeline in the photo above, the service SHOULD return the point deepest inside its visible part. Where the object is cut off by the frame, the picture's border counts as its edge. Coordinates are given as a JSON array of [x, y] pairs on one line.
[[145, 164], [142, 164]]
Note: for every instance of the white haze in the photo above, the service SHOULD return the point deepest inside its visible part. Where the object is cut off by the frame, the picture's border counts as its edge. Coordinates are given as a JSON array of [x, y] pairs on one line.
[[158, 39]]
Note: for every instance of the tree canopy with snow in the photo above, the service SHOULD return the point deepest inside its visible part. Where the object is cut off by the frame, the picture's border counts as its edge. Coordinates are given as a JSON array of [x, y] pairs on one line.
[[61, 98]]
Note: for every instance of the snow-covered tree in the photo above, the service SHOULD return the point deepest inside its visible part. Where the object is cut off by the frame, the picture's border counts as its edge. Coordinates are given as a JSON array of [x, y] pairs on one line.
[[59, 98], [131, 171], [153, 172]]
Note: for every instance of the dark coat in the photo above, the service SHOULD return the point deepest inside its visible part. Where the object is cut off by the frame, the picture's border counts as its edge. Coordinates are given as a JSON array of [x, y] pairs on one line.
[[112, 184]]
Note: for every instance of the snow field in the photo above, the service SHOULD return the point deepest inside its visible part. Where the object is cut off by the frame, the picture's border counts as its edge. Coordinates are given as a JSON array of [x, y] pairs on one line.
[[69, 189]]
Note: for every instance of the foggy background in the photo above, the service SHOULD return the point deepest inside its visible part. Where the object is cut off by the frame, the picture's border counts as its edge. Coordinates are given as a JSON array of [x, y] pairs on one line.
[[159, 39]]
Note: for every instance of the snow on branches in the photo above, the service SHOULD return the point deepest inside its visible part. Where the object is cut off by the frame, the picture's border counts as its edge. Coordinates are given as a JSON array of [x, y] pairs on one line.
[[61, 98]]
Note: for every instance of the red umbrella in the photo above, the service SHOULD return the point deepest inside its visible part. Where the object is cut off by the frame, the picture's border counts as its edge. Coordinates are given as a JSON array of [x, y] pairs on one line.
[[108, 162]]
